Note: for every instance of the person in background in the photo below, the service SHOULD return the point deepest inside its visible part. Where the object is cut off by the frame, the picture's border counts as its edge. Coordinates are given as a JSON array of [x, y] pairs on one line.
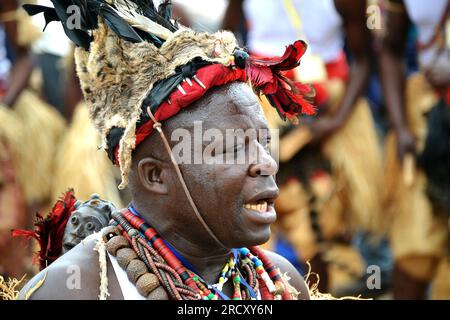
[[418, 205], [14, 76], [29, 131]]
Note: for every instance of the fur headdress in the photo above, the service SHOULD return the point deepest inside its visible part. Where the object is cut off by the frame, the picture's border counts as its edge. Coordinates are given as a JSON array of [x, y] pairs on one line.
[[131, 56]]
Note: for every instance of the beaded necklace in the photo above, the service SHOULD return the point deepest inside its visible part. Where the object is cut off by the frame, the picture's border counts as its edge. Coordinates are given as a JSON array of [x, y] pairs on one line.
[[135, 243]]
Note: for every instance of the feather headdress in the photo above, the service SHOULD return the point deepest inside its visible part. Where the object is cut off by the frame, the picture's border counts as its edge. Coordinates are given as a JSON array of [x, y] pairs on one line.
[[132, 55]]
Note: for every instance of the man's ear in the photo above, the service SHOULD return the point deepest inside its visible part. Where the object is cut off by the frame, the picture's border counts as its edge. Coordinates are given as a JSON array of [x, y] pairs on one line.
[[152, 176]]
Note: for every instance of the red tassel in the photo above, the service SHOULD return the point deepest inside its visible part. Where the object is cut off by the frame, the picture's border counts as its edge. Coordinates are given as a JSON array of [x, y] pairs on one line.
[[288, 97], [49, 231], [288, 61]]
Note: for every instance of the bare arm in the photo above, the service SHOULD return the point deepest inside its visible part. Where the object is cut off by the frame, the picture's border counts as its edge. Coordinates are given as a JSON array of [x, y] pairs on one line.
[[233, 15], [393, 76], [74, 276], [353, 14], [359, 42], [73, 94], [23, 66]]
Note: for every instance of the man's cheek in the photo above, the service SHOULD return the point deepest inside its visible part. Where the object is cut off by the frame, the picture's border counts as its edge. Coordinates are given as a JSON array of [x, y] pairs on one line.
[[232, 176], [224, 186]]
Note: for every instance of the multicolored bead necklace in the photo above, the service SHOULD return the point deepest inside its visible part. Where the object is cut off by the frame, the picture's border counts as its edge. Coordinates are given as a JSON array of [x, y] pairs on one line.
[[251, 271]]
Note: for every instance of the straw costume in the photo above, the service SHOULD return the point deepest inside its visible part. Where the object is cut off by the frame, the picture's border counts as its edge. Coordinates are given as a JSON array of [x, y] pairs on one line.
[[29, 134], [417, 248], [417, 190]]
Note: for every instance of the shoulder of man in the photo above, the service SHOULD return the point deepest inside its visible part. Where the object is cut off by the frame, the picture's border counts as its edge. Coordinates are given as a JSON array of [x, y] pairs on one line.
[[296, 279], [74, 276]]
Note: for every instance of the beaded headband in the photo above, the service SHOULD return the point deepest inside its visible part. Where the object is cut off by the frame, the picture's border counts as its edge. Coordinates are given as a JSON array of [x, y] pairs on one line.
[[132, 56]]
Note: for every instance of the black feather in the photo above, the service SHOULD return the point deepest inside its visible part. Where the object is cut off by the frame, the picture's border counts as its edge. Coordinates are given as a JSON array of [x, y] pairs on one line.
[[157, 42], [162, 89], [165, 10], [33, 9], [113, 139], [79, 36], [89, 16], [49, 13], [90, 10], [118, 25], [147, 8]]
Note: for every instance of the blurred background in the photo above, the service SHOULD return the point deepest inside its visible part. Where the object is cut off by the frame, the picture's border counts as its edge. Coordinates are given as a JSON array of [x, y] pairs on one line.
[[364, 200]]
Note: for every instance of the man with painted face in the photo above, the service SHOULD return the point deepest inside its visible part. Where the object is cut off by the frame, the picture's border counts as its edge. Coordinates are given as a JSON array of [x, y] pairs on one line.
[[192, 229]]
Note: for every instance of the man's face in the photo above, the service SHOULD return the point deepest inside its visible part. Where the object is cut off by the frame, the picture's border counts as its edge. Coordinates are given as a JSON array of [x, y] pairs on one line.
[[234, 197]]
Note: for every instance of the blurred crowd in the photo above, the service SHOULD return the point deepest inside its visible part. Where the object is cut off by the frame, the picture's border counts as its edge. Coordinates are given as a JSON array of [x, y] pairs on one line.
[[364, 202]]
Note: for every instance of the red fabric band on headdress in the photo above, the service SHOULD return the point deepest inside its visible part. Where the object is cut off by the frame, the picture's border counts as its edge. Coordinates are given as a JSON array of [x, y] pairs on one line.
[[211, 76]]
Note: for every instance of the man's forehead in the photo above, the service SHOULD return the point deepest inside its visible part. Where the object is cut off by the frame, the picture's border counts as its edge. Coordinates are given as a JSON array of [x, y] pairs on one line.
[[234, 105], [242, 95]]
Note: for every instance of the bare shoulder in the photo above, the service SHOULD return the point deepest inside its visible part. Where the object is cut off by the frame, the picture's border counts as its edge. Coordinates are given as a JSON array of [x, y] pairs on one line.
[[74, 276], [296, 280]]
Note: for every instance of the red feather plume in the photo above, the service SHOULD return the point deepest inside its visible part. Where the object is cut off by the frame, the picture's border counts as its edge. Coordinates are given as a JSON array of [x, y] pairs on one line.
[[49, 231], [288, 97]]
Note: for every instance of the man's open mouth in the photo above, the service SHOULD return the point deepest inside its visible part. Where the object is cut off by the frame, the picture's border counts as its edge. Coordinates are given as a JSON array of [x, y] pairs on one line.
[[260, 206], [262, 202]]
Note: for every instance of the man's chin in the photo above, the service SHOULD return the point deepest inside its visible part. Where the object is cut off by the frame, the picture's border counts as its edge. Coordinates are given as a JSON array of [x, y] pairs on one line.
[[254, 237]]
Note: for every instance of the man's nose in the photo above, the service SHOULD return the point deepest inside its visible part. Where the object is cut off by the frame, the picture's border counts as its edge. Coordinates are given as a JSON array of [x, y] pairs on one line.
[[263, 164]]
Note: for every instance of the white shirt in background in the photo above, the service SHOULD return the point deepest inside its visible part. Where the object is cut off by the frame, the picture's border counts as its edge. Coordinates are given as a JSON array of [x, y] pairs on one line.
[[5, 64], [322, 26], [426, 15], [271, 28]]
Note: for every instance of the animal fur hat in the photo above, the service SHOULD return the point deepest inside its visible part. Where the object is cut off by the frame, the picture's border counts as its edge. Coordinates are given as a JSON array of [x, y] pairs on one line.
[[131, 56]]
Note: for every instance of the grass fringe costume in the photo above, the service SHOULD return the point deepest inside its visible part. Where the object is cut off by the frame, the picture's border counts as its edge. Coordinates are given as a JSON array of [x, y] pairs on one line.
[[29, 134], [417, 248], [81, 165]]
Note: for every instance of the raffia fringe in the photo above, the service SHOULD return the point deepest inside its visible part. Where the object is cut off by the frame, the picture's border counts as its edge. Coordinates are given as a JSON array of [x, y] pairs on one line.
[[82, 165], [101, 249], [9, 289], [314, 292]]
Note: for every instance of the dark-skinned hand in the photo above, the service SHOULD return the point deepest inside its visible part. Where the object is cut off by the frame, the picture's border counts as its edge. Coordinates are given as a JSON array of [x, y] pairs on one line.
[[322, 129], [406, 143]]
